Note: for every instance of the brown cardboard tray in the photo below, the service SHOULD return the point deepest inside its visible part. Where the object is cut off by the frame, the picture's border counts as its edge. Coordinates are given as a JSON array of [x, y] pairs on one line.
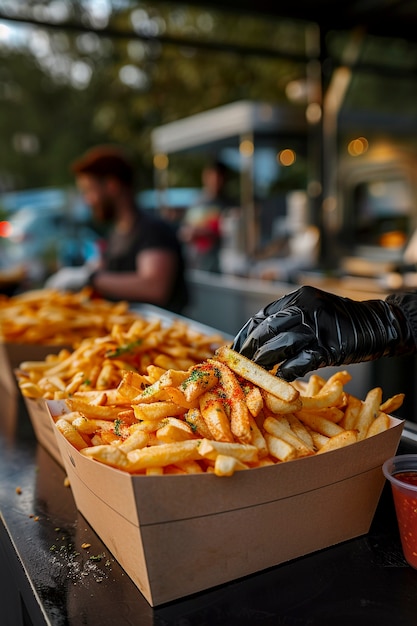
[[180, 534]]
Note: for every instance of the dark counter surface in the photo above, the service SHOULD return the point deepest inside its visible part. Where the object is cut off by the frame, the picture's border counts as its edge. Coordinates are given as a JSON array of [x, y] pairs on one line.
[[47, 577]]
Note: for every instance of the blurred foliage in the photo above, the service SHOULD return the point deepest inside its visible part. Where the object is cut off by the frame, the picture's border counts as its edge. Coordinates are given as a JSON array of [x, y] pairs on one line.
[[78, 72], [43, 124], [82, 78]]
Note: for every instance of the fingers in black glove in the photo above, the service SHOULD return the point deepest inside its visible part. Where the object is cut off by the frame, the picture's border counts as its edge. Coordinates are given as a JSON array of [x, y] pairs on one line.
[[248, 329], [310, 328]]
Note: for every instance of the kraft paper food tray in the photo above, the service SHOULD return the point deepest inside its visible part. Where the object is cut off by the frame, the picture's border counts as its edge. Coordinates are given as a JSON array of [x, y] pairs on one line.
[[43, 428], [178, 535], [13, 354]]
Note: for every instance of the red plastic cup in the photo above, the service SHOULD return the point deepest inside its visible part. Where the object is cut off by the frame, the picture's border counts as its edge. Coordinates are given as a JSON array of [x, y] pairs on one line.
[[401, 471]]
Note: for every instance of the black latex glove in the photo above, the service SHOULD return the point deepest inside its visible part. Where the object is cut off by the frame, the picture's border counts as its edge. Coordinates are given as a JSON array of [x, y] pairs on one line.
[[310, 328]]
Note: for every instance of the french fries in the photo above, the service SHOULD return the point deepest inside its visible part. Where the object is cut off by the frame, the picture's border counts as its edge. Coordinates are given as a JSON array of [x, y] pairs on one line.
[[49, 316], [214, 414], [239, 412], [129, 353], [256, 374], [222, 415]]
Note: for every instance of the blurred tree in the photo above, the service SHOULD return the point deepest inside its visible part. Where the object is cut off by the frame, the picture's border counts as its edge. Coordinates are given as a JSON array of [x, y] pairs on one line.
[[43, 124], [85, 76]]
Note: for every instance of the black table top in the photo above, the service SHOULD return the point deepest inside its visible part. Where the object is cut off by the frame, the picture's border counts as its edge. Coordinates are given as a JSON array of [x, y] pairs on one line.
[[361, 581]]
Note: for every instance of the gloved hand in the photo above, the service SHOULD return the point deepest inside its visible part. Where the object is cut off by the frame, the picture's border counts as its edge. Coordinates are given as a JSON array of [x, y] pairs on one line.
[[310, 328], [69, 278]]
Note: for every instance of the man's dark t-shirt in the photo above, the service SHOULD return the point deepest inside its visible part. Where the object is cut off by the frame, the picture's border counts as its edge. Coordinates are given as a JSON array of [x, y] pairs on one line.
[[149, 231]]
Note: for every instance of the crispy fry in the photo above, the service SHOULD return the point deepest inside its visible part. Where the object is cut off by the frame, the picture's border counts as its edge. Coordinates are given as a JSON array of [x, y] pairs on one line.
[[239, 413], [280, 449], [200, 379], [154, 372], [212, 410], [162, 360], [157, 391], [277, 405], [109, 455], [369, 411], [71, 433], [256, 374], [392, 404], [31, 390], [189, 467], [330, 395], [198, 425], [379, 424], [242, 451], [314, 384], [279, 427], [319, 440], [165, 454], [320, 424], [157, 410], [92, 410], [342, 376], [132, 384], [103, 397], [332, 413], [351, 412], [345, 438], [107, 376], [258, 439], [137, 439], [90, 426], [127, 416], [300, 430], [174, 430], [227, 465], [254, 400], [176, 395], [46, 316]]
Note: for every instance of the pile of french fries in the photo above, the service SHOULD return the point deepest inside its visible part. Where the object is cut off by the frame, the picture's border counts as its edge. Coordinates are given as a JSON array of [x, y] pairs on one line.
[[52, 317], [221, 415], [99, 363]]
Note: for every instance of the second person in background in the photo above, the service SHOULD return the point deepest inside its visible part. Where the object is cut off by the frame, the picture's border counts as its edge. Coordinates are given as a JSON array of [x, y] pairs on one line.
[[201, 227]]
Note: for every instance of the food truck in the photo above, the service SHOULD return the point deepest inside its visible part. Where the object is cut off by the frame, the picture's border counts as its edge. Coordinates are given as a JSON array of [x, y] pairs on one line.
[[369, 202], [360, 244]]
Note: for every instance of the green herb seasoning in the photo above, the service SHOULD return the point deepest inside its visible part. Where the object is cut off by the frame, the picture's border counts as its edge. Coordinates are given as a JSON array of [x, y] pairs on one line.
[[191, 425], [126, 349]]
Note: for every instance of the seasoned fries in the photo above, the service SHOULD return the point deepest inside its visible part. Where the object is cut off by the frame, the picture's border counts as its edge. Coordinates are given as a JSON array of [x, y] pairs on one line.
[[256, 374], [48, 316], [129, 353], [238, 410], [221, 415]]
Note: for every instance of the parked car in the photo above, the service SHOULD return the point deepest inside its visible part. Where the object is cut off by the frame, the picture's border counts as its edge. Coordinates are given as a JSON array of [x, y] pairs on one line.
[[44, 240]]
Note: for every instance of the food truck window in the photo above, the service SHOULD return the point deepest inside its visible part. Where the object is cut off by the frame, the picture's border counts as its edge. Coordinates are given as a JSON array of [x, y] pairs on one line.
[[382, 212]]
